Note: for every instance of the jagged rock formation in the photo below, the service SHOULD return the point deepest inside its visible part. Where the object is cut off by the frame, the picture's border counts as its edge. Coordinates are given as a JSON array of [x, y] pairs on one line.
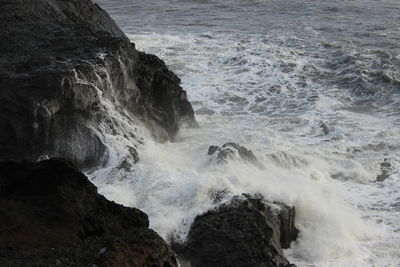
[[233, 151], [52, 215], [247, 231], [69, 75]]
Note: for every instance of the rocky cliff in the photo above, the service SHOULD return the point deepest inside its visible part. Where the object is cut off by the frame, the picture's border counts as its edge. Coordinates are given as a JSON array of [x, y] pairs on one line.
[[69, 76]]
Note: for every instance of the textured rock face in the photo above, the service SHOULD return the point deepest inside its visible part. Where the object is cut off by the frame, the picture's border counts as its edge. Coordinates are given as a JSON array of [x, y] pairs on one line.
[[50, 213], [247, 231], [234, 151], [69, 75], [136, 248]]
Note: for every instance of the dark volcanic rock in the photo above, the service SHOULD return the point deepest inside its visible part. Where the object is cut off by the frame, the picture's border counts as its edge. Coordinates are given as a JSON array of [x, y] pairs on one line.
[[247, 231], [51, 213], [138, 247], [67, 73], [234, 151]]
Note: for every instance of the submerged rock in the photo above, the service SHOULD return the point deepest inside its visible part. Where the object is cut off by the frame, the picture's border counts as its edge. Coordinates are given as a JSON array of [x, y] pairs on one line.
[[247, 231], [50, 213], [234, 151], [386, 168], [212, 150], [324, 127], [69, 75]]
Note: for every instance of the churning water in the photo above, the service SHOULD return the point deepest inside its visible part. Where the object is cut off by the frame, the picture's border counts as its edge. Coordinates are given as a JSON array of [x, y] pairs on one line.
[[312, 87]]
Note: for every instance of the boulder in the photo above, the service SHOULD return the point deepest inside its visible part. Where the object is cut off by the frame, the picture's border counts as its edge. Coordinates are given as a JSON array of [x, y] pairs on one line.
[[69, 75], [386, 169], [212, 150], [246, 231], [234, 151], [51, 214]]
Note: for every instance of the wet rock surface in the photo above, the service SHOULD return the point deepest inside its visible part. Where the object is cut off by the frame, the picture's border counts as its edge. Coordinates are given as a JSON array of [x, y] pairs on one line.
[[67, 73], [52, 215], [233, 151], [246, 231], [386, 168]]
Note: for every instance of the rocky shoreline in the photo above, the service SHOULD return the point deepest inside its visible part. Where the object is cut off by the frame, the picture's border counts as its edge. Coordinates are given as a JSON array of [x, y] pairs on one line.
[[68, 77], [52, 215]]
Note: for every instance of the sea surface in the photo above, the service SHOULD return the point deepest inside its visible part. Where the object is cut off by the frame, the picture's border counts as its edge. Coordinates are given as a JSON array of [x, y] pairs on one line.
[[312, 87]]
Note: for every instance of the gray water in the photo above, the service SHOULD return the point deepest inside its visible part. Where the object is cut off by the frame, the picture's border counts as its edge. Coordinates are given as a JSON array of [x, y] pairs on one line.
[[312, 87]]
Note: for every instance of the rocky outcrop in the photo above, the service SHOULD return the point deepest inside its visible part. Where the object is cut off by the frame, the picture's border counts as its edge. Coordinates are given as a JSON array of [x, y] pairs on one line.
[[51, 215], [69, 76], [233, 151], [247, 231]]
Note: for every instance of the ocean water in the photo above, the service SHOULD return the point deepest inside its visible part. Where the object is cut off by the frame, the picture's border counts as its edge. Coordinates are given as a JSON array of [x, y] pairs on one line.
[[312, 87]]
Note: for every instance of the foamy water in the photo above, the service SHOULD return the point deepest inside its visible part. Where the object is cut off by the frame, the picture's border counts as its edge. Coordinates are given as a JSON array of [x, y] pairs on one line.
[[316, 99]]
